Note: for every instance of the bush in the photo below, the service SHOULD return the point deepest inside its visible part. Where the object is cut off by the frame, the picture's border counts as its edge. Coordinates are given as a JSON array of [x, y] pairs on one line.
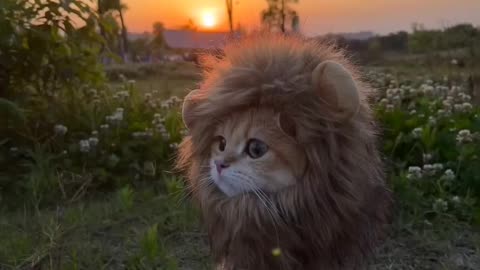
[[40, 47], [431, 141], [88, 139]]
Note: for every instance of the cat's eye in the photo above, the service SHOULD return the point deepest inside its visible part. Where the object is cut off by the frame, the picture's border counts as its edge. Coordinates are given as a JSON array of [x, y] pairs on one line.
[[221, 143], [256, 148]]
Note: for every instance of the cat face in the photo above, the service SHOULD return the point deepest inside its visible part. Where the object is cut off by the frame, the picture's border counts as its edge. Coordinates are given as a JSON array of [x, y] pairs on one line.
[[250, 153]]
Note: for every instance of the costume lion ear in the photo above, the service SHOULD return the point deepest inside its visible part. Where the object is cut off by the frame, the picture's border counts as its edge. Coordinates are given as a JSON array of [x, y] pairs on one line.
[[188, 108], [336, 86]]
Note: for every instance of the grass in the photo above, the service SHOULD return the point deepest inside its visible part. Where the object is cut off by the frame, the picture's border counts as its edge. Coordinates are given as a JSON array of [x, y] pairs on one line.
[[146, 229], [133, 229]]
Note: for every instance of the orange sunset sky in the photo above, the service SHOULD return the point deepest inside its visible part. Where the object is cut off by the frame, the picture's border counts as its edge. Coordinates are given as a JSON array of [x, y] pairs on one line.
[[316, 16]]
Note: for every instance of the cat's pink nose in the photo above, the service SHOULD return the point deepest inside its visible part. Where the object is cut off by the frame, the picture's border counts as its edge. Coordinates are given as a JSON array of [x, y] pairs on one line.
[[220, 165]]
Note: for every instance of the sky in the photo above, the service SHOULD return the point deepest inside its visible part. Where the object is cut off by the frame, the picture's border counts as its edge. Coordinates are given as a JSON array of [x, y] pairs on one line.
[[316, 16]]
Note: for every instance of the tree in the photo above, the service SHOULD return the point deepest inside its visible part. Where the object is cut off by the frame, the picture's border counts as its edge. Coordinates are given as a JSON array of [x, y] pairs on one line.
[[229, 4], [279, 14], [158, 41], [107, 6], [190, 25]]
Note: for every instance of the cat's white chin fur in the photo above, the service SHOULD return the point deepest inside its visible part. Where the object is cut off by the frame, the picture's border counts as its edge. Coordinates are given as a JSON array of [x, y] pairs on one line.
[[222, 182]]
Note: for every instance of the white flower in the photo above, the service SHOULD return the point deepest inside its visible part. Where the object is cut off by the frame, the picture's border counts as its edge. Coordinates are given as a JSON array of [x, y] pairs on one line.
[[456, 199], [383, 101], [458, 107], [428, 169], [412, 112], [94, 133], [60, 129], [438, 167], [440, 205], [174, 145], [389, 108], [93, 141], [148, 96], [464, 136], [104, 127], [454, 62], [137, 134], [427, 157], [427, 89], [84, 146], [414, 172], [466, 107], [432, 121], [165, 136], [448, 175], [417, 132]]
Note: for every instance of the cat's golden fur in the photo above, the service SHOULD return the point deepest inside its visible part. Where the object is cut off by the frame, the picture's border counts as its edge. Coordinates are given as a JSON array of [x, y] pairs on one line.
[[335, 215]]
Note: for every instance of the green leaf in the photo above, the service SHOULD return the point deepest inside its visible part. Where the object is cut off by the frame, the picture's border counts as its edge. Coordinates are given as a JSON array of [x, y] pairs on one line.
[[11, 109]]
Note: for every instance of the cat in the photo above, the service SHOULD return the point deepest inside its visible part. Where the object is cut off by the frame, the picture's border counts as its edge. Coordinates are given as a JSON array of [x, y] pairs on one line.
[[281, 157]]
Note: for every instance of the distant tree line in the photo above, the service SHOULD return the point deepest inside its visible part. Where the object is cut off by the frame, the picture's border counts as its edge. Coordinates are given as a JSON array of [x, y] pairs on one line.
[[463, 38]]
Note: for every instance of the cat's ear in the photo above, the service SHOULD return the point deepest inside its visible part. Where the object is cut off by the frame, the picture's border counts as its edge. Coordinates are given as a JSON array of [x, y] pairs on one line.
[[286, 124], [335, 85], [188, 108]]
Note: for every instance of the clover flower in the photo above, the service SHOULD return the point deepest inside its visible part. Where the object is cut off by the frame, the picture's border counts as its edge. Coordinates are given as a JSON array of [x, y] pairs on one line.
[[104, 127], [84, 146], [466, 107], [60, 129], [464, 136], [427, 157], [448, 175], [417, 132], [427, 89], [389, 108], [440, 205], [165, 136], [148, 96], [414, 172], [455, 199], [383, 101], [93, 141]]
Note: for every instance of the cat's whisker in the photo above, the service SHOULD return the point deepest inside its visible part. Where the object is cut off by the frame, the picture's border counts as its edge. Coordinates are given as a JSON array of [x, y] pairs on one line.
[[192, 188]]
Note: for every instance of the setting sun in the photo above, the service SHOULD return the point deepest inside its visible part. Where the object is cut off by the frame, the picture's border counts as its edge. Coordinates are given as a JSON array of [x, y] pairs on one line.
[[209, 20]]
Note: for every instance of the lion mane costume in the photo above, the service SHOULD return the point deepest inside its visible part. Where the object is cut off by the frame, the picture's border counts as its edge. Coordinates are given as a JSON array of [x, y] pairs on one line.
[[334, 216]]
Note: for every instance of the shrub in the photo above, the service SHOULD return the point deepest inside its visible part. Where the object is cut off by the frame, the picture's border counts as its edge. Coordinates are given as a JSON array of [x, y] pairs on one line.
[[432, 144], [89, 139]]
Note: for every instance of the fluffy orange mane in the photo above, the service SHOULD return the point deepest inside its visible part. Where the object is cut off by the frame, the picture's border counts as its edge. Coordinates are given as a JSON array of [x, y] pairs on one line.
[[336, 214]]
